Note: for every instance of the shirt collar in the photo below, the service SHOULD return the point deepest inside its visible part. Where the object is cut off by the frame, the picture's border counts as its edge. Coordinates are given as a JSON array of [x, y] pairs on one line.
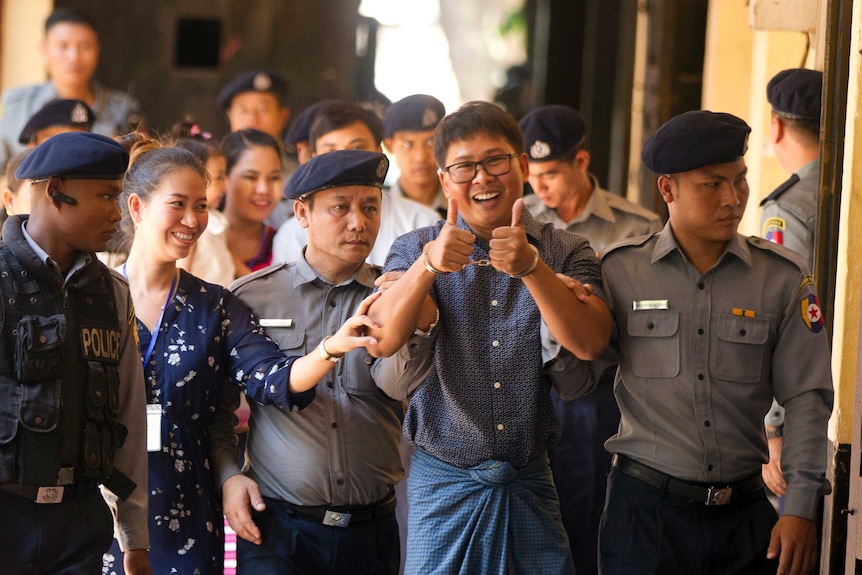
[[305, 274], [667, 244], [80, 261]]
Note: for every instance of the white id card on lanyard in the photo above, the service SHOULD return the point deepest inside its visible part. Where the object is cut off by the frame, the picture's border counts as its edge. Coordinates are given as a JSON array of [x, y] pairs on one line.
[[154, 427]]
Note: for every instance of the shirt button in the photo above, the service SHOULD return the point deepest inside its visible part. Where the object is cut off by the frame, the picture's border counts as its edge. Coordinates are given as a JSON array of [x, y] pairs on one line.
[[339, 481], [330, 384], [334, 425], [706, 423], [700, 376], [495, 343], [37, 420], [700, 286], [500, 426], [332, 303], [700, 331], [497, 385], [709, 467], [494, 302]]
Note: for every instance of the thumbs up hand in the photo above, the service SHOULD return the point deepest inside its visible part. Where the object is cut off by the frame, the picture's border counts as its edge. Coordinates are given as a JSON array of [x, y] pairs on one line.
[[510, 251], [452, 249]]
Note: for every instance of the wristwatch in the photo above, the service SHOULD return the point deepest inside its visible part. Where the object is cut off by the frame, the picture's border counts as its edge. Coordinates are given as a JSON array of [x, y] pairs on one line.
[[321, 349]]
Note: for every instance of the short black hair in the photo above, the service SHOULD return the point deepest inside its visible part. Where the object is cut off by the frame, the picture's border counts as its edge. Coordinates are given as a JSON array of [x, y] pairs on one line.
[[337, 115], [473, 118], [69, 16]]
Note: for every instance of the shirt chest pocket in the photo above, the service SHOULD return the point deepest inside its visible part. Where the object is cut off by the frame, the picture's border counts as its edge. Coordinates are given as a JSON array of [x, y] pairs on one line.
[[739, 345], [291, 341], [654, 342]]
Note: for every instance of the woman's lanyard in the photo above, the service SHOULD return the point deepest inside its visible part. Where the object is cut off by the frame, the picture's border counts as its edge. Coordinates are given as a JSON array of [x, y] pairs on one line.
[[161, 315]]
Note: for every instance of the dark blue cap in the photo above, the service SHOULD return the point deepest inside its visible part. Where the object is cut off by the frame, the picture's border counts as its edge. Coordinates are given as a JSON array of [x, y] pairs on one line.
[[300, 127], [796, 93], [695, 139], [63, 112], [551, 131], [75, 155], [337, 169], [416, 113], [254, 81]]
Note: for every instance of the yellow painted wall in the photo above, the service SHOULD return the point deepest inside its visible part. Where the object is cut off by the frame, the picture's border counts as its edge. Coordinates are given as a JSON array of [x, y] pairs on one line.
[[23, 22]]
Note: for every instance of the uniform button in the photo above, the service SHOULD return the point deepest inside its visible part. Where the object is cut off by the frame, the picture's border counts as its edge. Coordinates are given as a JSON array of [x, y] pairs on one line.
[[330, 384], [500, 426], [334, 425], [37, 420], [709, 467], [742, 332], [700, 286], [42, 339], [650, 325], [339, 481], [700, 376], [494, 302], [332, 303], [700, 331], [706, 423], [497, 385], [495, 343]]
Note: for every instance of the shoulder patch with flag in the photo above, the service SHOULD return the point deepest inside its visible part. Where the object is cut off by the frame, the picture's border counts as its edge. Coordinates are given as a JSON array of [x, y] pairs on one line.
[[773, 230], [811, 313]]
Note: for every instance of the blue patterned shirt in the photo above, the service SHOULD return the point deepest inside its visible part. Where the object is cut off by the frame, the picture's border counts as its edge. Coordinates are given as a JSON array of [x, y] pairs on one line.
[[487, 396]]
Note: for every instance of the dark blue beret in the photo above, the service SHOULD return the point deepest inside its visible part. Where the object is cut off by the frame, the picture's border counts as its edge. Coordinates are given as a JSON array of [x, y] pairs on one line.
[[73, 113], [75, 155], [551, 131], [796, 93], [695, 139], [300, 127], [416, 113], [254, 81], [337, 169]]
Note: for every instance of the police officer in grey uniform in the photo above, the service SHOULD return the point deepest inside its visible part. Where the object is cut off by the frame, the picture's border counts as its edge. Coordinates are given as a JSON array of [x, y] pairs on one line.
[[326, 472], [710, 327], [71, 53], [789, 214], [72, 411], [568, 196]]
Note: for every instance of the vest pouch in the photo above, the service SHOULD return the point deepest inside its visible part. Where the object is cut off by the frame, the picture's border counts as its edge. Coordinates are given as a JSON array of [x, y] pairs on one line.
[[91, 458], [97, 392], [40, 406], [10, 408], [38, 349]]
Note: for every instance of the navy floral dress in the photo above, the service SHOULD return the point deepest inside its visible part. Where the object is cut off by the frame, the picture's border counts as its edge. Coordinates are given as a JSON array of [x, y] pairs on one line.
[[207, 339]]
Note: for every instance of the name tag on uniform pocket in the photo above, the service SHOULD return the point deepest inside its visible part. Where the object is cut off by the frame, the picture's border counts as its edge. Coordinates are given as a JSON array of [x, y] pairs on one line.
[[275, 322], [649, 304], [154, 427]]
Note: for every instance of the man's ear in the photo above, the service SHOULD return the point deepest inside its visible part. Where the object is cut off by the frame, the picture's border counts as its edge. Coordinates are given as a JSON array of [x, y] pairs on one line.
[[665, 187], [56, 196], [581, 161], [777, 129], [301, 211]]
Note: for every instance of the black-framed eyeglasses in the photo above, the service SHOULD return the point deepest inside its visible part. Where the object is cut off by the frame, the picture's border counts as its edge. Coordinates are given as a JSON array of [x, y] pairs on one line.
[[464, 172]]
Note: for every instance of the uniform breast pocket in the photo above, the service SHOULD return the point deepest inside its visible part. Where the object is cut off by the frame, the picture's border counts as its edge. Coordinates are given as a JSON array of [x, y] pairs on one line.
[[739, 346], [654, 337], [290, 340]]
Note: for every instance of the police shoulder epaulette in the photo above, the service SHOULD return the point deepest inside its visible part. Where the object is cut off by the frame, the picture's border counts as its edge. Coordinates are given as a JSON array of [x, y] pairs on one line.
[[626, 243], [779, 250], [776, 193], [258, 274]]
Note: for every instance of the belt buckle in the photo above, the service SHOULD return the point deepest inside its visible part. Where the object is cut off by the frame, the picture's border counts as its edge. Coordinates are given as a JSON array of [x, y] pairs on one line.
[[336, 518], [52, 494], [718, 495]]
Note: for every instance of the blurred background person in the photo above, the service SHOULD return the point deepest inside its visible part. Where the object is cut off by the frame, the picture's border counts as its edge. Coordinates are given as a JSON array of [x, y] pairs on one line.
[[70, 51], [254, 182]]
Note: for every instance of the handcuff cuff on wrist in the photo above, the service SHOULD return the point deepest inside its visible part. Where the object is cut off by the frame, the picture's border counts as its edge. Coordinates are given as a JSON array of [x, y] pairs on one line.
[[426, 262]]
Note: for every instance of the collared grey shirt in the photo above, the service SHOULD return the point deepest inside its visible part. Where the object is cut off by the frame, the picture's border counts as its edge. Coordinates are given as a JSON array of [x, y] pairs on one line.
[[702, 355], [605, 219], [343, 448], [113, 109], [793, 208]]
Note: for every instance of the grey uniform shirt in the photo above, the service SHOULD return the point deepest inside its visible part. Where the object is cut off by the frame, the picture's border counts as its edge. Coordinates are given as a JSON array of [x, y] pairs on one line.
[[343, 448], [606, 218], [702, 355], [113, 111]]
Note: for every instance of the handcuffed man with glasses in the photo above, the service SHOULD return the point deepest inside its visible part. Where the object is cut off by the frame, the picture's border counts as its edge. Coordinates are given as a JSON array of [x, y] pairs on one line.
[[499, 335]]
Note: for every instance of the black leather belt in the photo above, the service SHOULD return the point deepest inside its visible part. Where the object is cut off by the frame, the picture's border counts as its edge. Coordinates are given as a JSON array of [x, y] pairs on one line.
[[51, 493], [342, 516], [706, 494]]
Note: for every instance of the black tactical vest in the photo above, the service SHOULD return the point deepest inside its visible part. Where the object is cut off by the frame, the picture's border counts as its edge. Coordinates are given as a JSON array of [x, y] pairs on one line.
[[59, 384]]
